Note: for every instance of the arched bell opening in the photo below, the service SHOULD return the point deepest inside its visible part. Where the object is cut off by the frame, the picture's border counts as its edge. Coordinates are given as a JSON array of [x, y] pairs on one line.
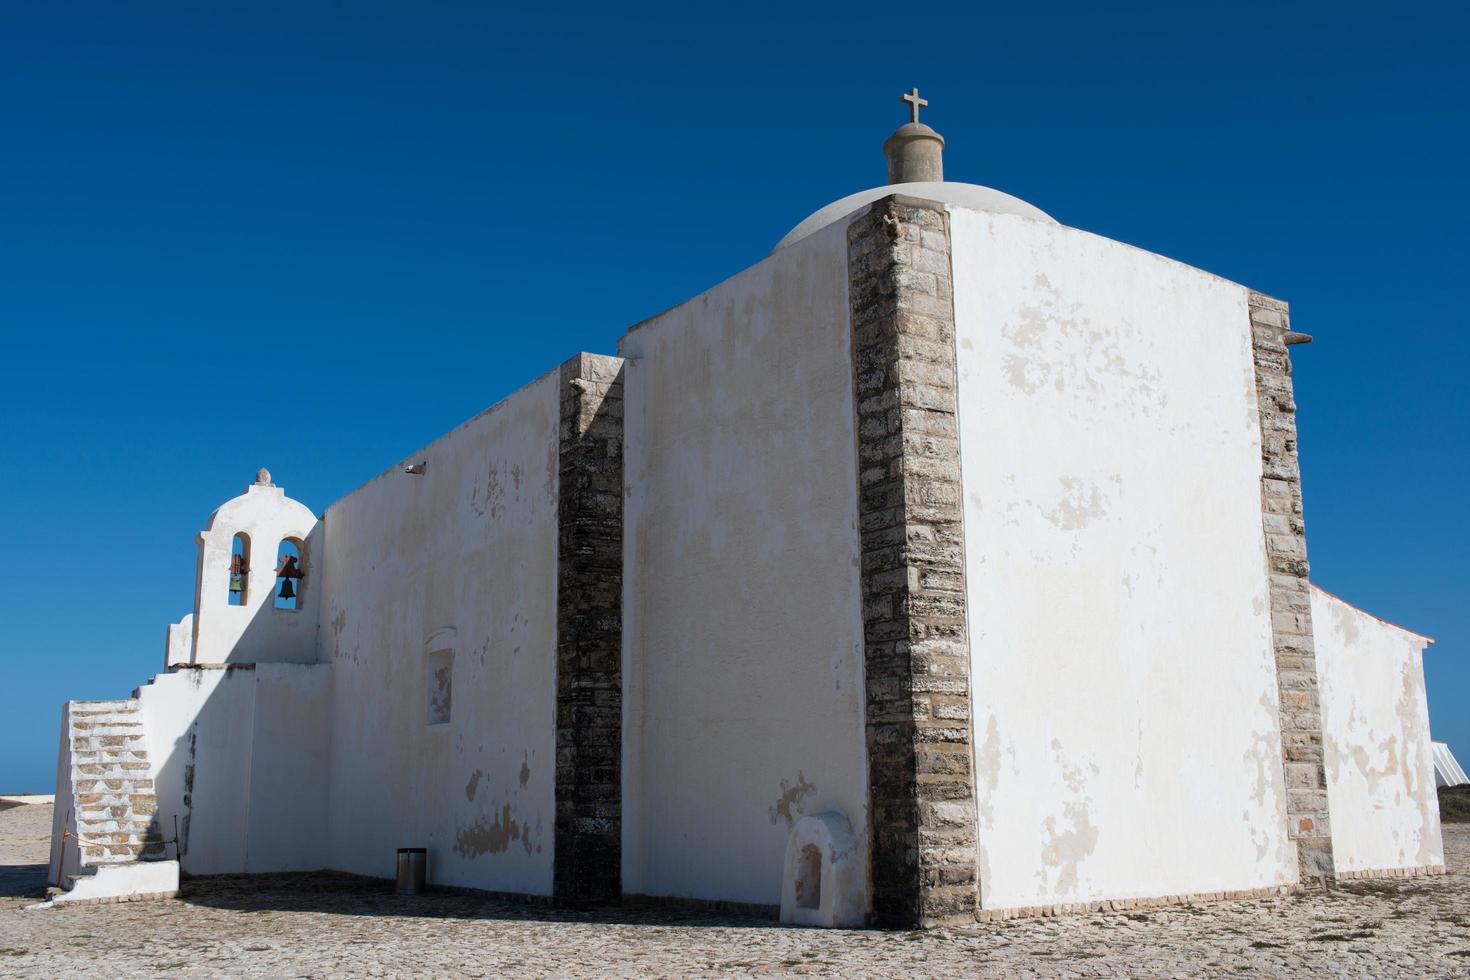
[[290, 574], [239, 583]]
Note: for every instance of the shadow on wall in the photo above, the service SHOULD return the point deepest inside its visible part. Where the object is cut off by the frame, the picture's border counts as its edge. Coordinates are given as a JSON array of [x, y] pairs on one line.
[[335, 893], [241, 753]]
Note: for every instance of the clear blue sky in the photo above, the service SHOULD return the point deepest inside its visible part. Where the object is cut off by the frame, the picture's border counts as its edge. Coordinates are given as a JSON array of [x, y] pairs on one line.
[[314, 236]]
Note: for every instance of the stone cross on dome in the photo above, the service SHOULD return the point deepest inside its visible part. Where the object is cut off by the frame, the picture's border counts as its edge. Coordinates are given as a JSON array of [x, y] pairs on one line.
[[915, 152], [915, 103]]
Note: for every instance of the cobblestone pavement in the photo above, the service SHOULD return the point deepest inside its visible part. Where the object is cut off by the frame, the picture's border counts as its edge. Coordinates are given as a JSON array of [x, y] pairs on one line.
[[324, 925]]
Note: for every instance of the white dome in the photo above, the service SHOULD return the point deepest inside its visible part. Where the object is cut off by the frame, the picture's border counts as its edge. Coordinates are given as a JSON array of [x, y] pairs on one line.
[[971, 196]]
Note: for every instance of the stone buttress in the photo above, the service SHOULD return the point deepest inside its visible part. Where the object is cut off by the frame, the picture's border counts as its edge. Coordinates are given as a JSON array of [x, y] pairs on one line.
[[1291, 599], [589, 592], [916, 646]]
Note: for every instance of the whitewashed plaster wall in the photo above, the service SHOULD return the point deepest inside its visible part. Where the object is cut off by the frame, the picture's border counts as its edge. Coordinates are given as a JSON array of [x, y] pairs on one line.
[[256, 631], [461, 558], [240, 755], [742, 686], [1375, 723], [179, 645], [66, 858], [1125, 705]]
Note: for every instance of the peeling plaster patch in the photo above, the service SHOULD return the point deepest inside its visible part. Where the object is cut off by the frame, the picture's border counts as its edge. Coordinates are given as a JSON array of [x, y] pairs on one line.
[[1372, 774], [1063, 852], [1026, 375], [1265, 752], [339, 623], [493, 838], [1079, 506], [525, 772], [790, 799], [1063, 349], [472, 785], [987, 765], [1259, 837], [1408, 713], [1346, 623]]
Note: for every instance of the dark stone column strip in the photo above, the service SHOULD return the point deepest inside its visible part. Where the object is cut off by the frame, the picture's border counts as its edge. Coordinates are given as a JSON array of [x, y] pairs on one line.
[[587, 867]]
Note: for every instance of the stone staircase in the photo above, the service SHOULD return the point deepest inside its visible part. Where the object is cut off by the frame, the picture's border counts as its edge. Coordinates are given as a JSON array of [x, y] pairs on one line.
[[119, 851], [116, 812]]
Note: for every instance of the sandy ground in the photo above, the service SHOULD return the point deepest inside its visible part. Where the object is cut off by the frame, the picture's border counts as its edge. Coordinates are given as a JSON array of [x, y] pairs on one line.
[[326, 925]]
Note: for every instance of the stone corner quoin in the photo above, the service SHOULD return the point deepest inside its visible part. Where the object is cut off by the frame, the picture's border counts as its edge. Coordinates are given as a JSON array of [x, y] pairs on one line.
[[916, 648], [587, 863], [1297, 681]]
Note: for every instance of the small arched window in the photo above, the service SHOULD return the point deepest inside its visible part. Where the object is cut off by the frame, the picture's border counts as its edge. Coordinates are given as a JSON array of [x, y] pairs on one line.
[[239, 570], [289, 574]]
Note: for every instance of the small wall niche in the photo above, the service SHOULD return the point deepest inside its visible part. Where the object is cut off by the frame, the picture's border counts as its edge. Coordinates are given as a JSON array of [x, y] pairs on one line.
[[439, 683], [809, 878], [239, 575]]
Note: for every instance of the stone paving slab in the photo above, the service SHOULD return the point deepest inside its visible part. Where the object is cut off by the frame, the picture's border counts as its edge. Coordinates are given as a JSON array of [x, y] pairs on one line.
[[328, 925]]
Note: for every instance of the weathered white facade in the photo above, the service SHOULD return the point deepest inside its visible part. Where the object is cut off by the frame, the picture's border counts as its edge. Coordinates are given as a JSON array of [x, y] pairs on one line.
[[452, 569], [1111, 451], [1380, 764], [948, 562], [741, 584]]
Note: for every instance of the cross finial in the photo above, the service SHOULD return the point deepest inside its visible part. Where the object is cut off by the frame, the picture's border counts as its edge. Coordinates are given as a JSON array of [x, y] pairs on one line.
[[915, 103]]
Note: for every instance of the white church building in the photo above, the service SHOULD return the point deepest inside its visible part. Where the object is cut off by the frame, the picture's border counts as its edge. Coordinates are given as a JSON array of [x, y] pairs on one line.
[[948, 563]]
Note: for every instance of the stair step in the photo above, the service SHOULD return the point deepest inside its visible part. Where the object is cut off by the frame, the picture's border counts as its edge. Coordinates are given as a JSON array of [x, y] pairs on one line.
[[107, 830], [125, 854], [116, 815], [118, 811]]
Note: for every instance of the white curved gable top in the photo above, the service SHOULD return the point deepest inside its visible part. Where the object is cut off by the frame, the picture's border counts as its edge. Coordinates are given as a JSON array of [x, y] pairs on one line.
[[972, 196], [267, 506]]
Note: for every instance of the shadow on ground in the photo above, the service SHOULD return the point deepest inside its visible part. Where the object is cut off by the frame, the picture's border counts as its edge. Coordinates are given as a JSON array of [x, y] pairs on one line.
[[335, 893], [23, 880]]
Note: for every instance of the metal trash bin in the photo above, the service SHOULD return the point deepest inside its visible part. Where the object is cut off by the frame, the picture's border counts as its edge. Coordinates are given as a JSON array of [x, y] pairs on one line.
[[413, 863]]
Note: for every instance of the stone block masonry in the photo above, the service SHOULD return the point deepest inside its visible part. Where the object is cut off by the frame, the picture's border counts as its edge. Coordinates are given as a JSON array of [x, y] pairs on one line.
[[112, 791], [1291, 600], [587, 866], [916, 646]]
